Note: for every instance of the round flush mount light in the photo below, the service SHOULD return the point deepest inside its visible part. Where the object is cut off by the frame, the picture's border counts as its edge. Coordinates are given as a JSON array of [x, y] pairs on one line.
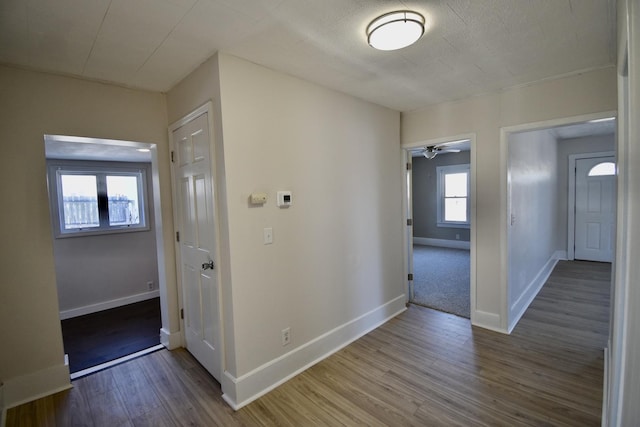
[[395, 30]]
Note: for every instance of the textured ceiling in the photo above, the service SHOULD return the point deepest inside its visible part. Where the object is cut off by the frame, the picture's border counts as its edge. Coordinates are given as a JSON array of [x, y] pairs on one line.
[[472, 47], [585, 129]]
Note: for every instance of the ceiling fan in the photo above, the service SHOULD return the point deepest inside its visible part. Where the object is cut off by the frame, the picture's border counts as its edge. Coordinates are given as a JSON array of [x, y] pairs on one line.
[[431, 151]]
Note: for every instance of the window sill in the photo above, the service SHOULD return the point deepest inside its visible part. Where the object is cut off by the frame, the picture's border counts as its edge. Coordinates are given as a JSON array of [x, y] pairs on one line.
[[101, 232]]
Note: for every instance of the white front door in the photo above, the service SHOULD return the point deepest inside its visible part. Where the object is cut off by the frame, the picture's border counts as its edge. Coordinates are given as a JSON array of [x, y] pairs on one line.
[[595, 209], [195, 209]]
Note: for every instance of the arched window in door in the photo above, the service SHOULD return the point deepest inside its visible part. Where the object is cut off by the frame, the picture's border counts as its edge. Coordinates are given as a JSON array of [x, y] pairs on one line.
[[603, 169]]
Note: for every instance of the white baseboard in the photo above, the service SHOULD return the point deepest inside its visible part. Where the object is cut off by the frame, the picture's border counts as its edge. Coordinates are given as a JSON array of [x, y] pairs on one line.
[[171, 340], [243, 390], [456, 244], [106, 305], [486, 320], [518, 308], [605, 386], [35, 385]]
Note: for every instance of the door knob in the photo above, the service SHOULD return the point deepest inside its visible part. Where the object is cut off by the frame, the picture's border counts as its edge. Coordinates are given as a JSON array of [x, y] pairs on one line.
[[207, 265]]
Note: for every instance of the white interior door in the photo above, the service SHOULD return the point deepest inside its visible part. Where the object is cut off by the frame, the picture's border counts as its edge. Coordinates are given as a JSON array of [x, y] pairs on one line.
[[595, 209], [195, 209]]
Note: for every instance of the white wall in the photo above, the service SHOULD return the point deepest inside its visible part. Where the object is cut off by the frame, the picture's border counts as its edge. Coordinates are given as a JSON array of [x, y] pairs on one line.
[[96, 272], [533, 207], [31, 105], [335, 267], [585, 93]]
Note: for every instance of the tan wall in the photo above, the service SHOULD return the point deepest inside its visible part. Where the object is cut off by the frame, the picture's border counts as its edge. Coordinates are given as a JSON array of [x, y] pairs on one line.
[[337, 251], [590, 92], [32, 105]]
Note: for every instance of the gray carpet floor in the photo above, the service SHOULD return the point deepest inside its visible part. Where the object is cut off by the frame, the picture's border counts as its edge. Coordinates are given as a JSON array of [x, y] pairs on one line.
[[441, 279]]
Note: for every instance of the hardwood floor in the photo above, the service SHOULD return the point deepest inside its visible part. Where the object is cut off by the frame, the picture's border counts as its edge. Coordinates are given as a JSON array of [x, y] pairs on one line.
[[422, 368], [107, 335]]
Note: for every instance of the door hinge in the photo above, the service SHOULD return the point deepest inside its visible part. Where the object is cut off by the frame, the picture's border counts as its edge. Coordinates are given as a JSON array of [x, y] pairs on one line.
[[408, 166], [410, 276], [182, 313], [409, 221], [173, 159], [177, 236]]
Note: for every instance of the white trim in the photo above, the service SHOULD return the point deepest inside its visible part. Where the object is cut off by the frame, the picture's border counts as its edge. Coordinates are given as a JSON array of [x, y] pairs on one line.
[[571, 203], [605, 386], [171, 340], [442, 243], [248, 387], [115, 362], [472, 195], [163, 286], [491, 321], [505, 188], [407, 212], [441, 171], [100, 170], [545, 124], [35, 385], [519, 307], [106, 305]]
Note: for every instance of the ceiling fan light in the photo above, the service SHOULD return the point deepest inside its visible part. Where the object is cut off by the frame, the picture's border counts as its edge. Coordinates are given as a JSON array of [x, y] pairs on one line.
[[395, 30], [430, 154]]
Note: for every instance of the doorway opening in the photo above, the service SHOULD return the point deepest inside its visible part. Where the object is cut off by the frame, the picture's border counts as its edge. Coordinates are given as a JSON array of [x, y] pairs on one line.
[[104, 212], [440, 207], [555, 210]]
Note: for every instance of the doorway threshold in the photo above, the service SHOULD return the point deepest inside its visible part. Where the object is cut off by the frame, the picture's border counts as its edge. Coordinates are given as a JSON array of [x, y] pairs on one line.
[[106, 365]]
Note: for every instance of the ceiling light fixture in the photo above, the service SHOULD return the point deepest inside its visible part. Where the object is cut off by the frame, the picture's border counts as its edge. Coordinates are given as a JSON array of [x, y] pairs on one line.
[[606, 119], [395, 30], [430, 153], [143, 150]]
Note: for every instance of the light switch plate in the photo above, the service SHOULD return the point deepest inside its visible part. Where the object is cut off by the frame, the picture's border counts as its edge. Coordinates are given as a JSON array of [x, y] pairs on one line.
[[268, 236]]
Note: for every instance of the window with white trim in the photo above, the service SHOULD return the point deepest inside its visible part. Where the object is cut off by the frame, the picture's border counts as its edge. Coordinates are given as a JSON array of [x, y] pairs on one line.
[[97, 199], [453, 196]]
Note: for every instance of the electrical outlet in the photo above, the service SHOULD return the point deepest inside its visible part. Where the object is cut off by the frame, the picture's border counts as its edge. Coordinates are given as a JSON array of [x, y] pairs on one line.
[[150, 286], [286, 336]]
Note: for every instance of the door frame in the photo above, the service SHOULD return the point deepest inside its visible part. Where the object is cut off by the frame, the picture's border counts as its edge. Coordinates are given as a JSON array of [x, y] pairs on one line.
[[571, 203], [407, 214], [208, 109]]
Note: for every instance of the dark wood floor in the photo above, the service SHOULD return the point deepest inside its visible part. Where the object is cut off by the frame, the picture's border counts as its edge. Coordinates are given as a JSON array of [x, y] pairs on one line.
[[422, 368], [107, 335]]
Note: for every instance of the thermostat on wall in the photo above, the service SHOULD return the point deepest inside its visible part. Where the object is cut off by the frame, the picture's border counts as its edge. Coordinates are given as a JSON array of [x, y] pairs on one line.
[[284, 199], [258, 198]]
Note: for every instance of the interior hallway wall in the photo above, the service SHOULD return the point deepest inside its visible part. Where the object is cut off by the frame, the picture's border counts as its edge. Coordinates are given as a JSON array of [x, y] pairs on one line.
[[533, 209], [336, 256]]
